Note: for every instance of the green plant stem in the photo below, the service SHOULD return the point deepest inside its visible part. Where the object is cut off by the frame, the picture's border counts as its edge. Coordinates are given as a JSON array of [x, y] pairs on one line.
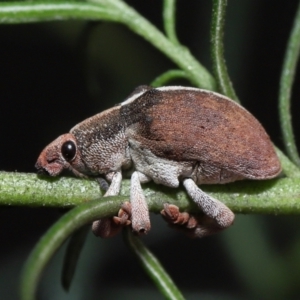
[[217, 50], [114, 11], [29, 189], [152, 267], [168, 76], [169, 11], [277, 196], [286, 83]]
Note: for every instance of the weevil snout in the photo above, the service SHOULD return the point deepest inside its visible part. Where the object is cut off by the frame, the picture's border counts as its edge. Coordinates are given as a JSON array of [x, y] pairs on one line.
[[47, 166], [57, 156], [40, 168]]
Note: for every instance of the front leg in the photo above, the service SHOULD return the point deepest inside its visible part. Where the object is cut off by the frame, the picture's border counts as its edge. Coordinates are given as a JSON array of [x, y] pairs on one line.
[[139, 209], [115, 185], [106, 227]]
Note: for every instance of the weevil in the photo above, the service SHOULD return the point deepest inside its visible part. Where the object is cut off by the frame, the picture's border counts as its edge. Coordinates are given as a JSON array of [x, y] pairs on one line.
[[169, 135]]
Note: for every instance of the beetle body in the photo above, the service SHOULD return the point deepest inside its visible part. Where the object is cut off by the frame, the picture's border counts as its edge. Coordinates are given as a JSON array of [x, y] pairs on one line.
[[168, 135]]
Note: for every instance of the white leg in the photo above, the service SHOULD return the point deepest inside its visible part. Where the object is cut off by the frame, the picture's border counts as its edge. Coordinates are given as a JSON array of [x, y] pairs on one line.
[[211, 207], [103, 227], [139, 209], [115, 186]]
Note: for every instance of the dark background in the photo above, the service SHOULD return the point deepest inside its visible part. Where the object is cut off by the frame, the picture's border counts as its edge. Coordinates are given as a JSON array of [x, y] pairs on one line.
[[54, 75]]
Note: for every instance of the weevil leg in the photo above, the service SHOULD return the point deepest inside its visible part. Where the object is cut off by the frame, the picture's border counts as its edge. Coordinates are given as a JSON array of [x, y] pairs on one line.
[[172, 215], [124, 215], [139, 209], [115, 185], [108, 227], [193, 226], [217, 215], [103, 184]]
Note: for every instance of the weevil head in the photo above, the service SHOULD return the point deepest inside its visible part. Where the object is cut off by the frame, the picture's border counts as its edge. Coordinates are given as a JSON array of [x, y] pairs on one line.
[[61, 154]]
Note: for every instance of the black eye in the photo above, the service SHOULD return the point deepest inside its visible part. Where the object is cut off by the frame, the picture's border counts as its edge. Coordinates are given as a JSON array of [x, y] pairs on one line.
[[68, 150]]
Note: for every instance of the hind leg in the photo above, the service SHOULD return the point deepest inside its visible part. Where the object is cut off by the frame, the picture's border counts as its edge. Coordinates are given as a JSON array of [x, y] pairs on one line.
[[217, 216]]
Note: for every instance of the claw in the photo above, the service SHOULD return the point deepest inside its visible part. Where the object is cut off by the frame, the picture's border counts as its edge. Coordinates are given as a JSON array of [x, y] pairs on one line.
[[173, 215], [193, 226], [192, 222], [109, 227], [170, 211], [124, 214], [126, 207]]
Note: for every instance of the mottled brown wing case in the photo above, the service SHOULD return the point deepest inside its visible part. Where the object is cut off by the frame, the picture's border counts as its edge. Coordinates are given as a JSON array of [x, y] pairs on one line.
[[197, 125]]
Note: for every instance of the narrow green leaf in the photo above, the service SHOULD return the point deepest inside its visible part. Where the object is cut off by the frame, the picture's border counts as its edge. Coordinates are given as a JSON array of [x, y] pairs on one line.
[[57, 234], [72, 254], [217, 50], [169, 12], [31, 12], [152, 267], [286, 82], [168, 76]]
